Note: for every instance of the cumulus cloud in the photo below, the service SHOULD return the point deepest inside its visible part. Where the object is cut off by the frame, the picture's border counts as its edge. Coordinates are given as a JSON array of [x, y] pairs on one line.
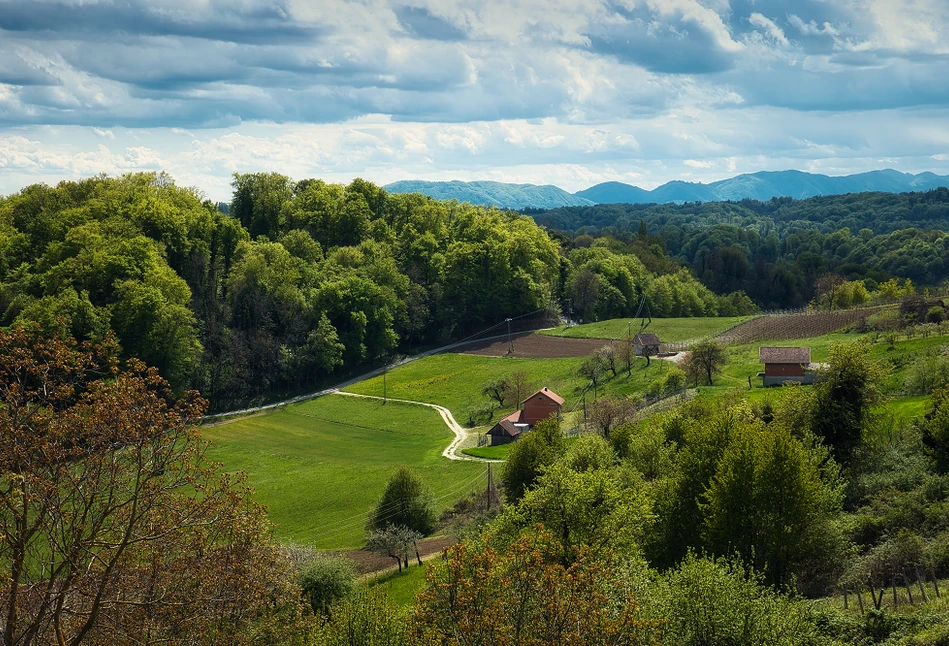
[[617, 89], [772, 29]]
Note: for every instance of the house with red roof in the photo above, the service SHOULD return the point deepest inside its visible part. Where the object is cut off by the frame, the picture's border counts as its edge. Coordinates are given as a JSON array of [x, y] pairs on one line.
[[539, 406], [782, 365]]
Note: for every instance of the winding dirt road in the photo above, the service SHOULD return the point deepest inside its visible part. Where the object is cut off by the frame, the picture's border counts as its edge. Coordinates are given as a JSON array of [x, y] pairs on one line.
[[461, 433]]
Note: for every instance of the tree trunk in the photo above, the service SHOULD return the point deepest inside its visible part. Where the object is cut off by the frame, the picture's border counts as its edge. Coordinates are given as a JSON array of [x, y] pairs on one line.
[[922, 587], [860, 600]]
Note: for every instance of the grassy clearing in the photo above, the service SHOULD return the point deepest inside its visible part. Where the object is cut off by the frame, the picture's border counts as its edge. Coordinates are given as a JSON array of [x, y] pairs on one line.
[[321, 466], [498, 452], [404, 585], [670, 330], [455, 380]]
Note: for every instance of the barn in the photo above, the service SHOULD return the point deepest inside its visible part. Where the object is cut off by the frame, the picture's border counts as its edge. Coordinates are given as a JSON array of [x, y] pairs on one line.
[[536, 408], [782, 365], [646, 345]]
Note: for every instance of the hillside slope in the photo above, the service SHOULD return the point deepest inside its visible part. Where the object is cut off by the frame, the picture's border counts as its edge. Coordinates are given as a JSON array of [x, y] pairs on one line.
[[499, 194]]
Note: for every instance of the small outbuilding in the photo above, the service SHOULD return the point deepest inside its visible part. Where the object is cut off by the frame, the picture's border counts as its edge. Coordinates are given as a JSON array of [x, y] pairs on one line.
[[542, 404], [782, 365], [646, 344]]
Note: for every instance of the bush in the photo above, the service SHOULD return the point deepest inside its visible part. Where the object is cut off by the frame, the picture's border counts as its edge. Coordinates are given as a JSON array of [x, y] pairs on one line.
[[365, 618], [674, 381], [327, 580], [716, 602]]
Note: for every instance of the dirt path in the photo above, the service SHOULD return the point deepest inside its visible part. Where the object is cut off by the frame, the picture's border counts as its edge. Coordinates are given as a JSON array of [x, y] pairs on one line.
[[460, 432]]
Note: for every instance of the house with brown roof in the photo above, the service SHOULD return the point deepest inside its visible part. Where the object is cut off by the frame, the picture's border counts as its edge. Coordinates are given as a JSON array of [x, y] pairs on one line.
[[536, 408], [782, 365], [646, 344]]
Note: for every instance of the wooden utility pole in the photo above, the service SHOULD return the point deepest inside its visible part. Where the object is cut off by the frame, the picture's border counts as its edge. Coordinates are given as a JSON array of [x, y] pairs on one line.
[[490, 485], [510, 343]]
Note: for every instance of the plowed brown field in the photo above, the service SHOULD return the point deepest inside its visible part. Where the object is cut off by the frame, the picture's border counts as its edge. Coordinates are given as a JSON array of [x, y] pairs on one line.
[[792, 326], [534, 346]]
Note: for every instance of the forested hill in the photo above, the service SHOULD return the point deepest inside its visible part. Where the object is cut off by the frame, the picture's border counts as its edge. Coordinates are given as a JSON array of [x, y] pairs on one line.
[[499, 194], [778, 251], [302, 280], [753, 186], [878, 212]]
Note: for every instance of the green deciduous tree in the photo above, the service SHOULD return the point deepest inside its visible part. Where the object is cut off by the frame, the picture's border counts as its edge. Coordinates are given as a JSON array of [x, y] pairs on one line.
[[534, 450], [844, 396], [406, 503]]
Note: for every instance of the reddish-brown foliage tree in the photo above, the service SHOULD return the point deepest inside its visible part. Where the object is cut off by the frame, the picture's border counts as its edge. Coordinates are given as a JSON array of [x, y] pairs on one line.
[[113, 529], [608, 413], [526, 597]]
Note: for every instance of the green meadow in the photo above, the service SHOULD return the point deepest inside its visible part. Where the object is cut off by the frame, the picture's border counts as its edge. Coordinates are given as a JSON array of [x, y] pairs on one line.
[[672, 330], [321, 466], [455, 380]]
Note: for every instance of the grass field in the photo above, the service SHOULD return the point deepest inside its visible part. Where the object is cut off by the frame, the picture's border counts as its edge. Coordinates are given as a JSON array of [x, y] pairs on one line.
[[455, 380], [321, 466], [404, 585], [669, 330], [498, 452]]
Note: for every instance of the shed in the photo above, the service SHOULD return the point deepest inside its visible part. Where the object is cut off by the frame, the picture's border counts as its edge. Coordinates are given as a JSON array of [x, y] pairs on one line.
[[646, 344], [539, 406], [508, 428], [782, 365]]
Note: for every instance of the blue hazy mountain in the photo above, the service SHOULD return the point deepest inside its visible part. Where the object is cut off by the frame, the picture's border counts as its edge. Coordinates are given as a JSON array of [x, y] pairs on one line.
[[757, 186], [764, 186], [500, 194]]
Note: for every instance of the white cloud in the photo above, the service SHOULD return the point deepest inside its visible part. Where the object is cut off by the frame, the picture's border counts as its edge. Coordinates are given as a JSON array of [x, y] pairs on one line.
[[759, 20]]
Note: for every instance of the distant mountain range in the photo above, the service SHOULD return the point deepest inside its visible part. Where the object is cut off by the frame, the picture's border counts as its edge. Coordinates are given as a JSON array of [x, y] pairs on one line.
[[500, 194], [758, 186]]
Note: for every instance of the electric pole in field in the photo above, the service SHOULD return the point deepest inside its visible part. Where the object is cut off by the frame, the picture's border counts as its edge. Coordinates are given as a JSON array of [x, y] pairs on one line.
[[510, 341]]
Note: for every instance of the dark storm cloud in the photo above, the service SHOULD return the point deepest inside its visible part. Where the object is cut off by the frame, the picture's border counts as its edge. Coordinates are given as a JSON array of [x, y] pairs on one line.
[[104, 19]]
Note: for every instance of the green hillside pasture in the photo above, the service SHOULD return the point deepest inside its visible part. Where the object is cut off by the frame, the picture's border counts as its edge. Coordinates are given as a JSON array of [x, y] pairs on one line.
[[405, 585], [496, 452], [455, 380], [671, 330], [321, 466]]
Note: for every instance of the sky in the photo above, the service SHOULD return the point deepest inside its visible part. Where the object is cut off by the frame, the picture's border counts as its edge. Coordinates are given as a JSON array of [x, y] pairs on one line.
[[565, 92]]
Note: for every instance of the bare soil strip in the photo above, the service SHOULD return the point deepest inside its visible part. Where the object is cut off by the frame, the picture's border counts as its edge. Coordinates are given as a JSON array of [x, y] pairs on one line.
[[534, 346]]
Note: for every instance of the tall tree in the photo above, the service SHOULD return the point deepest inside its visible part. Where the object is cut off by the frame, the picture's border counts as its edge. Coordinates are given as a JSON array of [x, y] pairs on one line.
[[114, 531], [707, 356], [405, 503]]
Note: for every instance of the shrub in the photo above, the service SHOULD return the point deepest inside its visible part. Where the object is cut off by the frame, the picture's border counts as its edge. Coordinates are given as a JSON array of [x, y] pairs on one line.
[[716, 602], [674, 381], [326, 580], [367, 617]]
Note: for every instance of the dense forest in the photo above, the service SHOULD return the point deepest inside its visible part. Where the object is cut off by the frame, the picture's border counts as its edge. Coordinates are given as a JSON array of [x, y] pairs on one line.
[[776, 251], [300, 279]]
